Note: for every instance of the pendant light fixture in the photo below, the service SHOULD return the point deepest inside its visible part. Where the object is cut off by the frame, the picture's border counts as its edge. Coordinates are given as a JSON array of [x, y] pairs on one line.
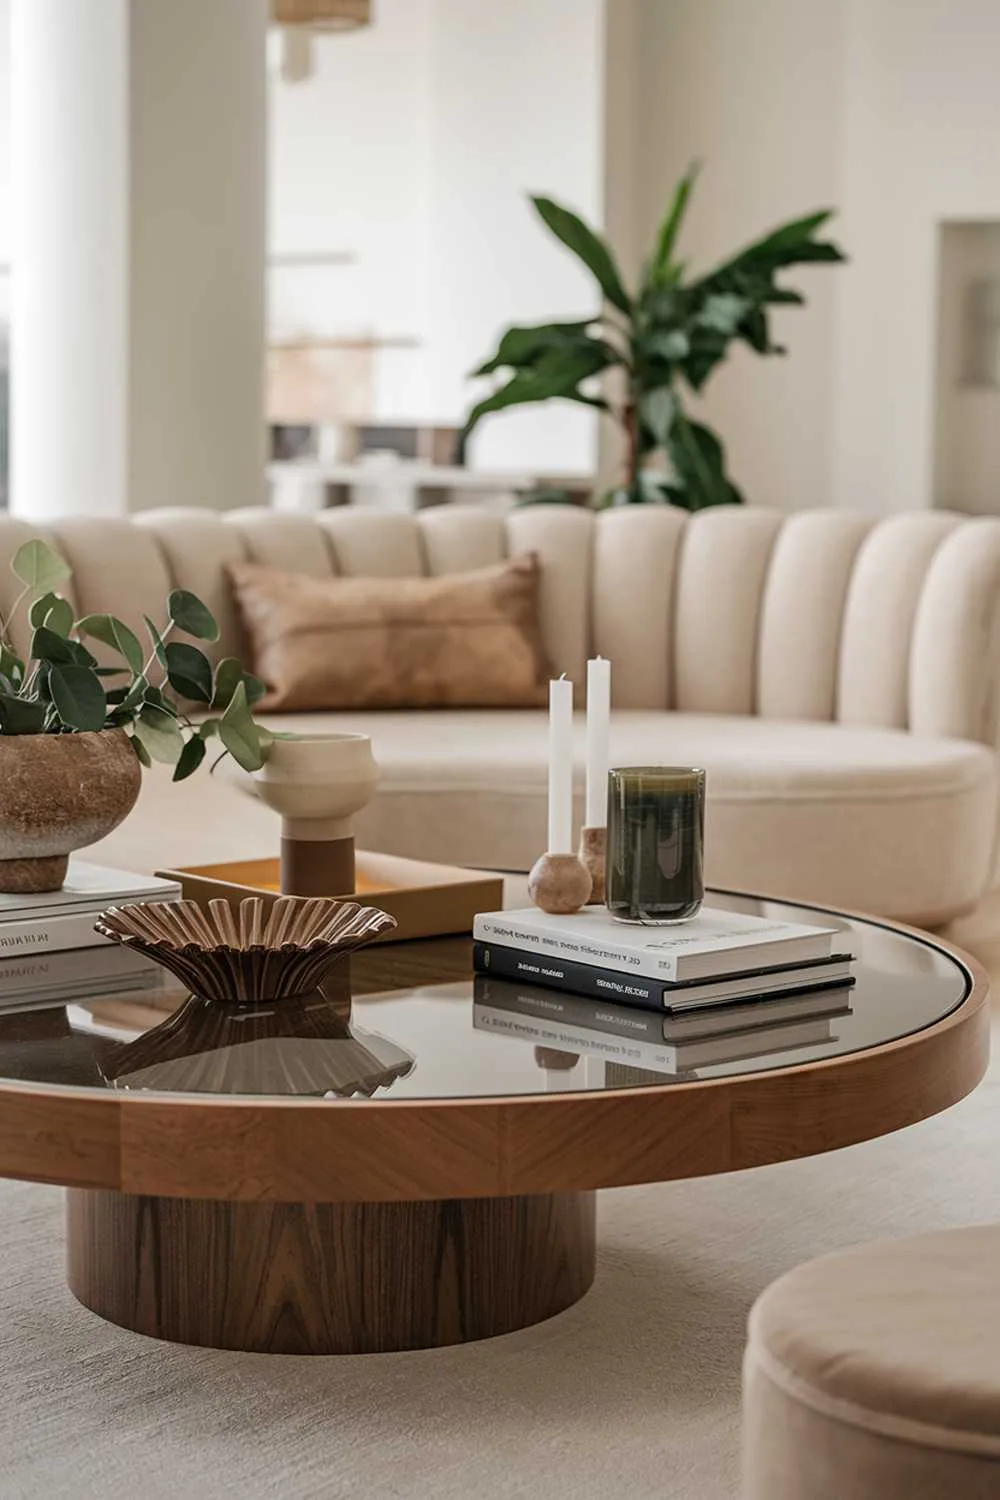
[[289, 47], [322, 15]]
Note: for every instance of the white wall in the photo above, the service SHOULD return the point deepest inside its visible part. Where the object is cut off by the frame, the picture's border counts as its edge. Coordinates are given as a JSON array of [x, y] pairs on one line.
[[5, 230], [349, 172], [750, 90], [889, 111], [415, 144], [921, 144], [515, 108]]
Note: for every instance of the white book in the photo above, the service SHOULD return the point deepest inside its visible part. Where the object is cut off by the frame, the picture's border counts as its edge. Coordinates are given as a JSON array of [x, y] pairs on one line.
[[87, 887], [56, 920], [715, 942], [75, 972], [668, 1058], [53, 934]]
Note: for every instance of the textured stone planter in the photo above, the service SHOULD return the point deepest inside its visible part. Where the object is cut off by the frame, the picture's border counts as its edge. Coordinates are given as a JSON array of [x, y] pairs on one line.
[[60, 792]]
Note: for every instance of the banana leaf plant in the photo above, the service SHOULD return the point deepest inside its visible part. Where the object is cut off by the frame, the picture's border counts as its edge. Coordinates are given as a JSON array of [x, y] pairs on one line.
[[59, 687], [667, 336]]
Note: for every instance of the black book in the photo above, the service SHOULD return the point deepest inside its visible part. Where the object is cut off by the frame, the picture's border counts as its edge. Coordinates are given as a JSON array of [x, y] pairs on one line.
[[657, 994], [509, 1010], [657, 1027]]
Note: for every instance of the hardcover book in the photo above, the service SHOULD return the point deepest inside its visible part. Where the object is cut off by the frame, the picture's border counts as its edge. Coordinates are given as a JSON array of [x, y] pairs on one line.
[[713, 943], [658, 994], [56, 920], [671, 1059], [656, 1026]]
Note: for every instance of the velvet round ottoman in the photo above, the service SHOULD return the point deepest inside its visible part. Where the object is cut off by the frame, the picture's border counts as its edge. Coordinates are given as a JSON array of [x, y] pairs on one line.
[[874, 1374]]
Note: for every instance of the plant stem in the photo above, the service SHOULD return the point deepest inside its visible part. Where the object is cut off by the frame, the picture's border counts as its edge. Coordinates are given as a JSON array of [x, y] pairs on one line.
[[630, 422]]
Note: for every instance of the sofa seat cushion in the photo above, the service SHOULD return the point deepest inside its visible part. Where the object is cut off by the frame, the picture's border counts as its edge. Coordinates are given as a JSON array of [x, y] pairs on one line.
[[872, 1374], [879, 820]]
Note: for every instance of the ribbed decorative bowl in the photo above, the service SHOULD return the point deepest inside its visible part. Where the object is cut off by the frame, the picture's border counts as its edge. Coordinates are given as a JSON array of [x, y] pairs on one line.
[[251, 954], [300, 1047]]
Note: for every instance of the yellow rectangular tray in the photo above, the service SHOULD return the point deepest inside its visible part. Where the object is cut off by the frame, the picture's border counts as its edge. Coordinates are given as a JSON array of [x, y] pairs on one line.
[[427, 900]]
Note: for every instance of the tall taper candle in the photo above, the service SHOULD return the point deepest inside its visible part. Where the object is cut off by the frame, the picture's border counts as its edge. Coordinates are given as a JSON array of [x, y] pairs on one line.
[[598, 733], [560, 766]]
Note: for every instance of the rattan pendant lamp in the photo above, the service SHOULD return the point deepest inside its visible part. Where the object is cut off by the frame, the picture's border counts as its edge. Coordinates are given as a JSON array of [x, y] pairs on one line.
[[322, 15], [295, 21]]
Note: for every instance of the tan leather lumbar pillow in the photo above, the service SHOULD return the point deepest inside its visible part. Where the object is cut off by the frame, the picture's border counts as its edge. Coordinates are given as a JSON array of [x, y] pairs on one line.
[[464, 640]]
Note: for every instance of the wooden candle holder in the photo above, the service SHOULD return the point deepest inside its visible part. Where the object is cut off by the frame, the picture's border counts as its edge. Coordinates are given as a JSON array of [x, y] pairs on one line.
[[593, 854], [559, 884]]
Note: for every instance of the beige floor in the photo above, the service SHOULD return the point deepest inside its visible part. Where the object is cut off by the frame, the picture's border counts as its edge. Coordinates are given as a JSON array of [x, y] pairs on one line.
[[632, 1393]]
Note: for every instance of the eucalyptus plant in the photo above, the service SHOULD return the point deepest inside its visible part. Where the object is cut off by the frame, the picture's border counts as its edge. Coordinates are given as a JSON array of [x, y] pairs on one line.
[[61, 688], [667, 336]]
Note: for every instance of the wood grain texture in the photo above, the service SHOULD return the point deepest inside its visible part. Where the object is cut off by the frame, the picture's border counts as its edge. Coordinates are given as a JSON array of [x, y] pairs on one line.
[[393, 1151], [328, 1278]]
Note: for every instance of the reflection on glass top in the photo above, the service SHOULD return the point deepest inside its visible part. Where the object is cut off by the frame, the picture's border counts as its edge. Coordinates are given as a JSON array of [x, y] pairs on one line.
[[408, 1021]]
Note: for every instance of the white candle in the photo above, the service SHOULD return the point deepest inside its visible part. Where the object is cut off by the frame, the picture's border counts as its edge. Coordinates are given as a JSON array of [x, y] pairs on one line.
[[598, 734], [560, 766]]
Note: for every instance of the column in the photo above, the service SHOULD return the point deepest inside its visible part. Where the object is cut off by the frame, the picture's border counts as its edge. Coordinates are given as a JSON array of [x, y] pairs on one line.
[[138, 143]]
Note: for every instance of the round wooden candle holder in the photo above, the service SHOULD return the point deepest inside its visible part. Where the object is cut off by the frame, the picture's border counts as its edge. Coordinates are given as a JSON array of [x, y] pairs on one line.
[[559, 884]]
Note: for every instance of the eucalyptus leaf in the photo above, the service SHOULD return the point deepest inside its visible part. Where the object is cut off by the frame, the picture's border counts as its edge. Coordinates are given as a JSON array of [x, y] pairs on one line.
[[256, 689], [159, 646], [46, 645], [187, 612], [77, 696], [239, 733], [160, 734], [11, 665], [228, 676], [60, 688], [21, 715], [116, 634], [189, 672], [190, 758], [53, 611], [38, 565], [143, 754]]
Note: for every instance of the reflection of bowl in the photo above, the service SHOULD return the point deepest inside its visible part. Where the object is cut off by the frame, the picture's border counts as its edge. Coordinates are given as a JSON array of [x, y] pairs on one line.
[[300, 1047], [248, 954]]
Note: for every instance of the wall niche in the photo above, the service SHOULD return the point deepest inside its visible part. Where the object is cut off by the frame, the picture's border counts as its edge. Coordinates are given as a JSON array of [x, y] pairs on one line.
[[967, 368]]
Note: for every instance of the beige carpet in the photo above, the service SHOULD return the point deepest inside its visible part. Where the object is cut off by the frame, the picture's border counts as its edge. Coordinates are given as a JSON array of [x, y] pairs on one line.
[[634, 1392]]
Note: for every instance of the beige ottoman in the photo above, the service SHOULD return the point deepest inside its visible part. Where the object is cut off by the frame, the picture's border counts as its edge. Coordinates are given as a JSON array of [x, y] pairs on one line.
[[874, 1374]]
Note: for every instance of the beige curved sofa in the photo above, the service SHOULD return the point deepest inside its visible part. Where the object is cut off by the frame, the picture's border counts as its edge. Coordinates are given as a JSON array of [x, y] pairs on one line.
[[837, 675]]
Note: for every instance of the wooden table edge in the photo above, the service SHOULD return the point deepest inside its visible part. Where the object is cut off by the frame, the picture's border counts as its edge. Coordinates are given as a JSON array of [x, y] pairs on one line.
[[400, 1150]]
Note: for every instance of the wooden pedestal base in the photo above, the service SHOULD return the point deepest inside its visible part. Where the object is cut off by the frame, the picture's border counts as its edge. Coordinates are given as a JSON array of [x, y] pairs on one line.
[[328, 1278], [317, 867]]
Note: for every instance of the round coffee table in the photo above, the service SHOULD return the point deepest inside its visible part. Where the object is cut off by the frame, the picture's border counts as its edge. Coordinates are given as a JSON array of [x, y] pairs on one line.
[[211, 1204]]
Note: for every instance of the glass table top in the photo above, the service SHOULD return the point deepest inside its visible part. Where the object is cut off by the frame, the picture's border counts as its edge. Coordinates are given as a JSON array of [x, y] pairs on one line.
[[409, 1021]]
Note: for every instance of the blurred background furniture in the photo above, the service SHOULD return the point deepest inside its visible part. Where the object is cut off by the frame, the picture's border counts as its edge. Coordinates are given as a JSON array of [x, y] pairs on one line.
[[835, 674]]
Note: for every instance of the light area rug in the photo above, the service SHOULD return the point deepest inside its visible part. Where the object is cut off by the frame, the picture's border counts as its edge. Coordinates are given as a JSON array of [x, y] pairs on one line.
[[634, 1392]]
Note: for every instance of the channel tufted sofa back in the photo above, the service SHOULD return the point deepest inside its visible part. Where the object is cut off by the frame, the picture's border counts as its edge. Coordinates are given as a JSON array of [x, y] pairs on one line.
[[821, 615]]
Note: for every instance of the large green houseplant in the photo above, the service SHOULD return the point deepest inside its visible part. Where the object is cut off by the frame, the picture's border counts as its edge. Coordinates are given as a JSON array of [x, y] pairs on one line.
[[74, 730], [665, 337]]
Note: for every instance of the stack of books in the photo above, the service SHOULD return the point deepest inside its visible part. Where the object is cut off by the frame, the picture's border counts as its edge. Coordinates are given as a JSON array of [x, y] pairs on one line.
[[50, 952], [721, 987], [669, 1043]]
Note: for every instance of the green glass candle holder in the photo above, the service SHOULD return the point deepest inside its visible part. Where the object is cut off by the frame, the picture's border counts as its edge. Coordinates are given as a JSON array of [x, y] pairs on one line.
[[656, 836]]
